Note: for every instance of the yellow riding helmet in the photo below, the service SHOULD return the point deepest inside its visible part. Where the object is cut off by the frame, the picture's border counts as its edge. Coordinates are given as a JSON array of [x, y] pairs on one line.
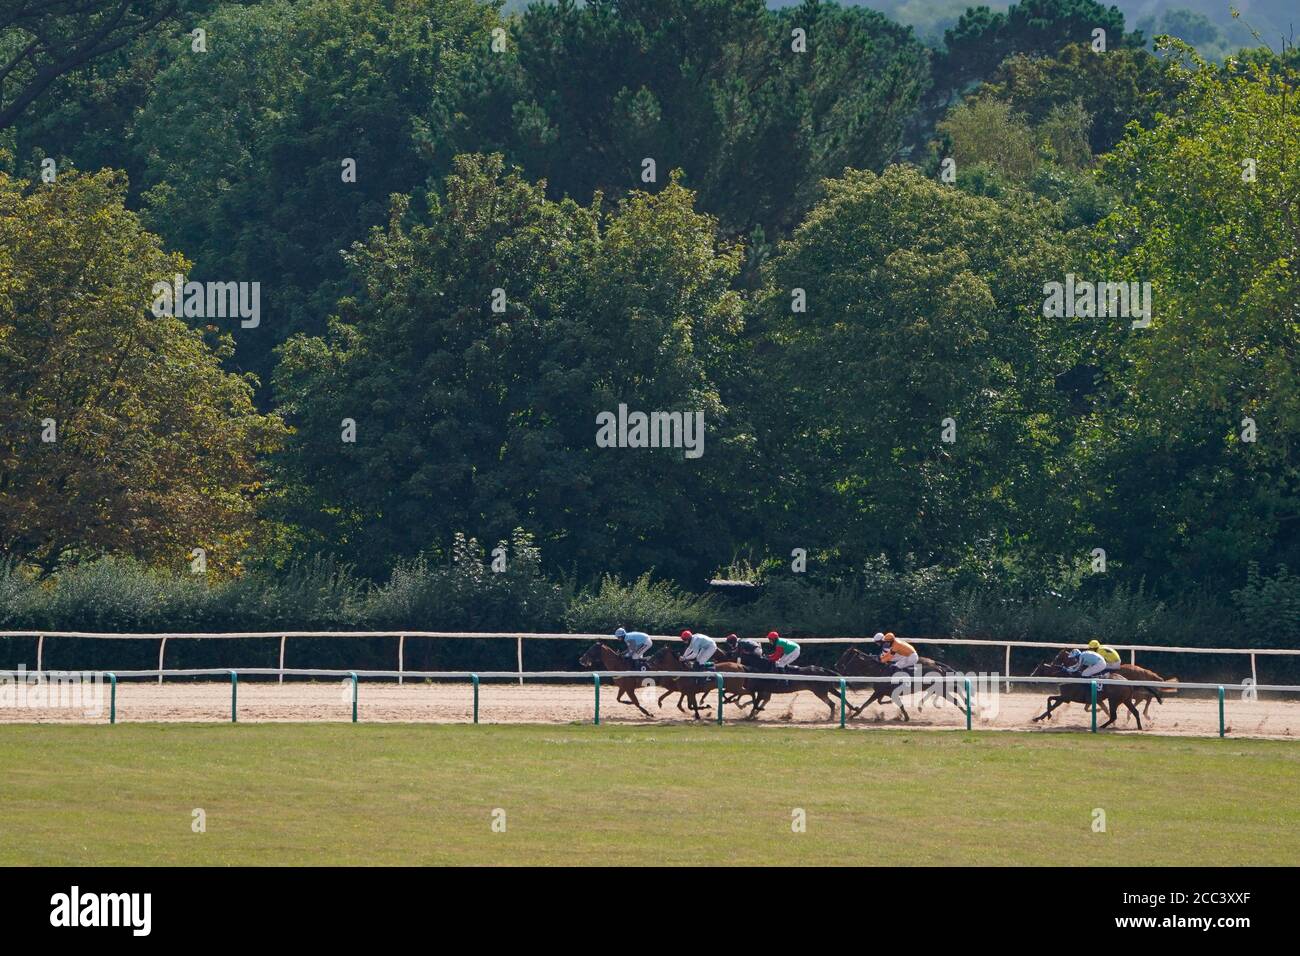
[[1094, 645]]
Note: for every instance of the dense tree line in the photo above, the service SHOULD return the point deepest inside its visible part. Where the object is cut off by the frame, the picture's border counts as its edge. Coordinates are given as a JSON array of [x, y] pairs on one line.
[[475, 232]]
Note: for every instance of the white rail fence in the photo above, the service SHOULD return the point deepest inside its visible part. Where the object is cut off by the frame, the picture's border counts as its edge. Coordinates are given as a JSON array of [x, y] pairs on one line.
[[519, 637]]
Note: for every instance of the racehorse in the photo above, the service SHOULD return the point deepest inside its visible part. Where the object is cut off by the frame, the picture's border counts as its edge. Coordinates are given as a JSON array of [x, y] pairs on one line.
[[858, 663], [1132, 672], [686, 688], [603, 658], [1112, 694], [764, 689]]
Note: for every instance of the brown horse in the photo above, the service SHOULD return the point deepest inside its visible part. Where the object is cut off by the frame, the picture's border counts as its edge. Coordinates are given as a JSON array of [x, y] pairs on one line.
[[1132, 672], [686, 688], [764, 689], [858, 663], [733, 689], [1111, 694], [602, 658], [854, 663]]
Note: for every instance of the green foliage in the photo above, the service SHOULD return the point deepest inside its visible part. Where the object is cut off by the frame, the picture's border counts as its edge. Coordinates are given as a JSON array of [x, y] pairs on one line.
[[923, 304], [1174, 488], [467, 593], [1114, 89], [119, 430], [658, 607], [712, 87], [1270, 607], [243, 146], [986, 131], [468, 418], [982, 39]]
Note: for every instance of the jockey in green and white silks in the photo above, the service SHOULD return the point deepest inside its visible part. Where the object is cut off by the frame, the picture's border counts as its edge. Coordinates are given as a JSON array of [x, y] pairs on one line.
[[784, 651]]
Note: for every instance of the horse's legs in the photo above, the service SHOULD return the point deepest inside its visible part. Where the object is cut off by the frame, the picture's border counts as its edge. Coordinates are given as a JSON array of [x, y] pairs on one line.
[[1114, 712], [664, 697], [876, 694], [825, 697], [1052, 704], [1134, 711]]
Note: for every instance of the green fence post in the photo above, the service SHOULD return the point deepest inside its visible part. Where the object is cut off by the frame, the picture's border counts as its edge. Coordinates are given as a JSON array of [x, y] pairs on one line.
[[1222, 732], [968, 701], [1093, 686], [597, 720], [354, 695], [720, 695], [843, 703], [234, 697], [112, 698], [474, 678]]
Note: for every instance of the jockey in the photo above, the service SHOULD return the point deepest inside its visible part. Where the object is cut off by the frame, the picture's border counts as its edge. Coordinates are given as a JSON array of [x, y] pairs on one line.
[[700, 649], [637, 643], [1109, 654], [739, 648], [784, 651], [1085, 663], [898, 654]]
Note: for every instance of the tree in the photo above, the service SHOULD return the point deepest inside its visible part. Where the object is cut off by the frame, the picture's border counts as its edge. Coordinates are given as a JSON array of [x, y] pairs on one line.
[[982, 39], [923, 323], [482, 421], [41, 42], [986, 131], [1208, 216], [244, 147], [119, 432], [712, 87], [1125, 85]]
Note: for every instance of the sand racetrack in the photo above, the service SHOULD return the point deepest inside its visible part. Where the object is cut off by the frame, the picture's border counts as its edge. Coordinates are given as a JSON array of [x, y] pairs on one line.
[[508, 702]]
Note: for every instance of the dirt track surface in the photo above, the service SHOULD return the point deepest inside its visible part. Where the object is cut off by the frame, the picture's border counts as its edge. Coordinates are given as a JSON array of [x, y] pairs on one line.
[[506, 703]]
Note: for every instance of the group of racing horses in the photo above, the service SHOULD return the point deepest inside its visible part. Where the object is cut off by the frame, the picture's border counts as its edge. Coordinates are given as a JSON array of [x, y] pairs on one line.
[[936, 679]]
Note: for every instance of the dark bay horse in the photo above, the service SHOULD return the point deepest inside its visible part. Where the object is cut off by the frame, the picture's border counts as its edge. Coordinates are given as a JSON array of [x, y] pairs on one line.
[[1132, 672], [603, 658], [858, 663], [687, 688], [764, 689], [1111, 694]]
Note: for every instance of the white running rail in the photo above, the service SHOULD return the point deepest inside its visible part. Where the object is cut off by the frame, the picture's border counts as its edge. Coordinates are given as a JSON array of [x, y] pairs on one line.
[[519, 637]]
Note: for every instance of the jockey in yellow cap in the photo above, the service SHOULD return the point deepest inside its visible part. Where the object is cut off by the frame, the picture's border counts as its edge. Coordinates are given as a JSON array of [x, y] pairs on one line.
[[1108, 654]]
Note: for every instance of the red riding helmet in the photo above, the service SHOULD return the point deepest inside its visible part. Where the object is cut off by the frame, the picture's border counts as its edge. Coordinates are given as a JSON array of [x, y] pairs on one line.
[[773, 636], [686, 635]]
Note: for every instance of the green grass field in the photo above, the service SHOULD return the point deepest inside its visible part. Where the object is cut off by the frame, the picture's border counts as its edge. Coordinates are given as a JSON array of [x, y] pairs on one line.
[[425, 794]]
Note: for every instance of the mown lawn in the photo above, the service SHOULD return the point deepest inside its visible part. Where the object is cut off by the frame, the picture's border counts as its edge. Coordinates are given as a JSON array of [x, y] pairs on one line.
[[426, 794]]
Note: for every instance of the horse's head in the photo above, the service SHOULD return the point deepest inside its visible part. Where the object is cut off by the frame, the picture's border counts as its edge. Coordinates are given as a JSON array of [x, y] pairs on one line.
[[663, 659], [1062, 658], [848, 657], [594, 656], [1048, 669]]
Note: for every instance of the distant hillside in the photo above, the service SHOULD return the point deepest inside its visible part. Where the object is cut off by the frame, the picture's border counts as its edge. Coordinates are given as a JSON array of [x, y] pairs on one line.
[[1207, 24]]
